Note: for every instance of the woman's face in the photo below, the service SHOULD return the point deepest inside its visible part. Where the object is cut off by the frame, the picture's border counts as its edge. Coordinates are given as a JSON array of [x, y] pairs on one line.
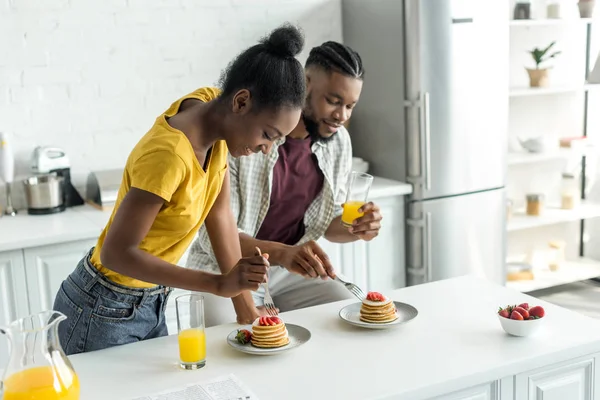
[[250, 132]]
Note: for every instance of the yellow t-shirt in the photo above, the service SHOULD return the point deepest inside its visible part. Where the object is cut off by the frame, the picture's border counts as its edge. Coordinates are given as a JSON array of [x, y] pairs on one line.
[[163, 162]]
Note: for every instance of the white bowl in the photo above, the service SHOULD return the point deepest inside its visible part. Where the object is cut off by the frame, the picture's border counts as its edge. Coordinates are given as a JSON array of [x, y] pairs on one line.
[[521, 328]]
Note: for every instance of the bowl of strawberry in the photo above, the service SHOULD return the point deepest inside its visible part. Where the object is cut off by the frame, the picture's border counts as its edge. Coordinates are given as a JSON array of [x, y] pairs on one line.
[[521, 320]]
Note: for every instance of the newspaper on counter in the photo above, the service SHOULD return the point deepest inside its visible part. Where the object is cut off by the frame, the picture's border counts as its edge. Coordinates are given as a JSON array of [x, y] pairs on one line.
[[227, 387]]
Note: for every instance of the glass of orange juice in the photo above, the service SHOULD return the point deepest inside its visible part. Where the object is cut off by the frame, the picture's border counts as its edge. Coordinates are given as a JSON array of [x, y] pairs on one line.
[[359, 184], [190, 325]]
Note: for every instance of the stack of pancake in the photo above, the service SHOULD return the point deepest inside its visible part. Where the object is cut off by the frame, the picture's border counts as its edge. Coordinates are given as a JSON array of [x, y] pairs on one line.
[[378, 309], [269, 332]]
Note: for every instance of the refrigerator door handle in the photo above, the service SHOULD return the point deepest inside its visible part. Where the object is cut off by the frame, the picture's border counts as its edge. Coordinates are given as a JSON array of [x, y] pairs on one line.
[[426, 138], [427, 242]]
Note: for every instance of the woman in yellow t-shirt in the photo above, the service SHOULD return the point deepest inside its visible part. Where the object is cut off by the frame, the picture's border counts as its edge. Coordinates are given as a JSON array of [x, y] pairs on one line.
[[175, 180]]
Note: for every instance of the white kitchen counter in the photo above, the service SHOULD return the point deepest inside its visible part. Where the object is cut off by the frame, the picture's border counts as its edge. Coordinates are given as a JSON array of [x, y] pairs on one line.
[[455, 342], [86, 222], [24, 231]]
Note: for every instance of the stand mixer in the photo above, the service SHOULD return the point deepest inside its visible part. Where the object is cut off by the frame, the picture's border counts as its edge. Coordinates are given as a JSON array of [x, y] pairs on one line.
[[7, 171]]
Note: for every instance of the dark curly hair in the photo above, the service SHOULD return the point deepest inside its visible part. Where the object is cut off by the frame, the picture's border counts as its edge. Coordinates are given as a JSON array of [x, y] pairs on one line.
[[269, 70]]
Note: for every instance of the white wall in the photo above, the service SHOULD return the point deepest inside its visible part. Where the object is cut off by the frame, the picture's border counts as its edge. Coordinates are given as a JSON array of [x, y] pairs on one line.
[[553, 116], [91, 76]]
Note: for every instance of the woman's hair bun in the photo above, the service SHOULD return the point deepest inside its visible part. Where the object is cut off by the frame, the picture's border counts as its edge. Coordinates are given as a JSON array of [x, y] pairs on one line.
[[285, 41]]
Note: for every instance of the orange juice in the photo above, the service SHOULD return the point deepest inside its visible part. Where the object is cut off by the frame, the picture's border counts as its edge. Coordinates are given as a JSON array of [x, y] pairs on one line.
[[351, 212], [192, 345], [41, 383]]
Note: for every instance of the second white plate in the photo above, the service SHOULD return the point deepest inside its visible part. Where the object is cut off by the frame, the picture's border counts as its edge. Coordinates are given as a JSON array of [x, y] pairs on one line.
[[351, 314], [298, 336]]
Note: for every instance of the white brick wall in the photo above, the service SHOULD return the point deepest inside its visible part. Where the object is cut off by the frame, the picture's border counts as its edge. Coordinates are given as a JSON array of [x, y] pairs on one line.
[[91, 76]]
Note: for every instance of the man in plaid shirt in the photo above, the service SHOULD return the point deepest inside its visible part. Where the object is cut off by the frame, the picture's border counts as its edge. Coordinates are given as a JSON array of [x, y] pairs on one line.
[[287, 198]]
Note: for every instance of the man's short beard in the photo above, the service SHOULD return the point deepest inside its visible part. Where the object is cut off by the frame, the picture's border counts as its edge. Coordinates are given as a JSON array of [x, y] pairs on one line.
[[312, 127]]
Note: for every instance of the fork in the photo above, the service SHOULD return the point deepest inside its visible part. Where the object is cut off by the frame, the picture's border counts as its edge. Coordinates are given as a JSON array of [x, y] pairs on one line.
[[269, 305], [354, 289]]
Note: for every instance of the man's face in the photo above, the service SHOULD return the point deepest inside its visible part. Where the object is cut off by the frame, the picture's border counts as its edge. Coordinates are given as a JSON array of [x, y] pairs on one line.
[[331, 97]]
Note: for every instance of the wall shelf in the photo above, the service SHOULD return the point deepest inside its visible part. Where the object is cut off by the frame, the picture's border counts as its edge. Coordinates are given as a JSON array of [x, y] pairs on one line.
[[549, 22], [542, 91], [570, 272], [582, 268], [550, 216], [522, 157]]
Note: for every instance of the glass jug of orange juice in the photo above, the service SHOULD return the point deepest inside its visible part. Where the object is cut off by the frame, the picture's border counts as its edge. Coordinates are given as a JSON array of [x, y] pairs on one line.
[[38, 367]]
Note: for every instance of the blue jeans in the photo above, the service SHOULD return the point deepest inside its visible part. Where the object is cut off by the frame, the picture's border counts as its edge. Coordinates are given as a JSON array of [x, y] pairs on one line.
[[102, 314]]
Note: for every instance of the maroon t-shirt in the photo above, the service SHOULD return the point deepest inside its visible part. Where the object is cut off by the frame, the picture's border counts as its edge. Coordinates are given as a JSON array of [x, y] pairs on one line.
[[297, 181]]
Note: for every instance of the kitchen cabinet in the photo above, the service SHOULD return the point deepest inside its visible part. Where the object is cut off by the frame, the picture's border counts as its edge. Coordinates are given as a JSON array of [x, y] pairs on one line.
[[13, 294], [488, 391], [574, 380], [378, 264], [47, 266]]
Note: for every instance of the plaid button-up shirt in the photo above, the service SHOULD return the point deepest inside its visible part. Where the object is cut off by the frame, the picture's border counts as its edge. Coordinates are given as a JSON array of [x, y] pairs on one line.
[[251, 180]]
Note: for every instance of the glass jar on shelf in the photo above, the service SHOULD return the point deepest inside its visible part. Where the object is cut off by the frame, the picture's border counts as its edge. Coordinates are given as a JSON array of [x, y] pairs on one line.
[[522, 10], [570, 192], [553, 10], [557, 255], [535, 204]]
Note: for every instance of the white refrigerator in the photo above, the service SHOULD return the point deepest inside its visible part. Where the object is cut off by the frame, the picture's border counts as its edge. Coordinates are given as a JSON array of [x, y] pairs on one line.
[[434, 112]]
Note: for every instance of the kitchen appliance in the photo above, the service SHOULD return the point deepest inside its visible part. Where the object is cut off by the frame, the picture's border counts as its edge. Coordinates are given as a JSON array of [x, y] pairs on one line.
[[434, 112], [52, 169], [44, 194], [7, 171], [102, 188]]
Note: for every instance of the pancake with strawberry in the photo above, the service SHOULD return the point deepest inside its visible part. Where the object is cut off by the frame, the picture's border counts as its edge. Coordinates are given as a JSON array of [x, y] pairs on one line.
[[378, 309], [269, 332]]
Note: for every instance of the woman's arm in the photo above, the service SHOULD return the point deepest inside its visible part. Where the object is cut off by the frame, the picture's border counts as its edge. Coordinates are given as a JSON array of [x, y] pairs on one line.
[[120, 251]]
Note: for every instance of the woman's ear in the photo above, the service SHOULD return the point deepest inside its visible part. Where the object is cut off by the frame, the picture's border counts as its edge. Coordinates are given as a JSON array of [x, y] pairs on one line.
[[242, 102]]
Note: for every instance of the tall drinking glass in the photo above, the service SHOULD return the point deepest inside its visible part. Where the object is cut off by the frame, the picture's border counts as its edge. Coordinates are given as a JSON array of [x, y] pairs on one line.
[[190, 325], [359, 184]]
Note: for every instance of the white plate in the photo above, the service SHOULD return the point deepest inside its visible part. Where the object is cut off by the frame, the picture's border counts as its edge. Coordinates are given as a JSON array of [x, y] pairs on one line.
[[351, 314], [298, 336]]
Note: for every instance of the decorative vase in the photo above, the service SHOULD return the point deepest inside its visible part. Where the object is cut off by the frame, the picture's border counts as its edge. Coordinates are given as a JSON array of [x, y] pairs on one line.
[[538, 77], [586, 8]]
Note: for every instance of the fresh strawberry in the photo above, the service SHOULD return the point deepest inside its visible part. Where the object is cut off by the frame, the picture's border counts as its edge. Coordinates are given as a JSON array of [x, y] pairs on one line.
[[243, 336], [516, 315], [524, 305], [262, 321], [271, 322], [537, 312], [375, 296], [522, 311], [277, 320], [503, 312]]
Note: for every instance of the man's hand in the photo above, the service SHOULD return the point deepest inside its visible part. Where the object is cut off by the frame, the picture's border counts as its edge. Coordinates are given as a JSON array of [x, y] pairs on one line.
[[367, 227], [308, 260], [247, 274]]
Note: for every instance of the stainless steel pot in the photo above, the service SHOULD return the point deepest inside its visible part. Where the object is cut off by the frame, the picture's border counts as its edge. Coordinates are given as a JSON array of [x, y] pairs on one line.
[[44, 192]]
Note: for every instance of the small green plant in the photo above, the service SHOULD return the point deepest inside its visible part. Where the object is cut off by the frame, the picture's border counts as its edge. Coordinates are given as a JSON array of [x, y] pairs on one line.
[[541, 55]]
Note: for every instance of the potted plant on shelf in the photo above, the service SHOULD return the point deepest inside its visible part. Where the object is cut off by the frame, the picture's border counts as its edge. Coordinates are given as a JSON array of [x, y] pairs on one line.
[[586, 8], [538, 77]]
